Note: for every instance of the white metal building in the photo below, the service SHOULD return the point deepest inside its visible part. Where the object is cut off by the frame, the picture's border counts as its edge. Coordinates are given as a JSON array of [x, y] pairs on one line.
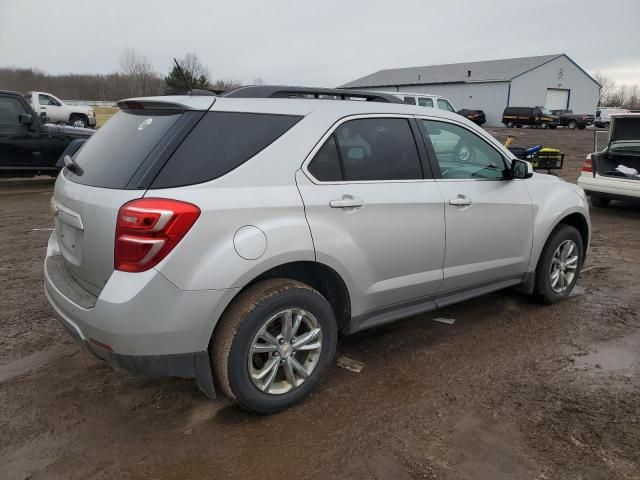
[[553, 81]]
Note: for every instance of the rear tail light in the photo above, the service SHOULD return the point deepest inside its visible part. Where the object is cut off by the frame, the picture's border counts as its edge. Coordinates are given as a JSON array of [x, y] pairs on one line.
[[148, 229], [587, 166]]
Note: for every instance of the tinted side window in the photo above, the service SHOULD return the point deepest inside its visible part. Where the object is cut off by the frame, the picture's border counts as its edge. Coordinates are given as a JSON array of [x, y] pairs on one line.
[[220, 142], [425, 102], [325, 166], [463, 154], [378, 149], [10, 111], [409, 100]]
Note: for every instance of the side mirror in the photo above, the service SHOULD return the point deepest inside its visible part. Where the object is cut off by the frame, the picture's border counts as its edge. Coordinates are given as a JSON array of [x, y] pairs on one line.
[[43, 117], [25, 119], [521, 169]]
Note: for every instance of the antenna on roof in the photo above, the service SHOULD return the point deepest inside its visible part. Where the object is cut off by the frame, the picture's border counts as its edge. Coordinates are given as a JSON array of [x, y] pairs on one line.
[[184, 77]]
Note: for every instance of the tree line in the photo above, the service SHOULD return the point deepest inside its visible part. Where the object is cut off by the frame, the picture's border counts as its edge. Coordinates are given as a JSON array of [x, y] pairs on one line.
[[136, 77], [613, 95]]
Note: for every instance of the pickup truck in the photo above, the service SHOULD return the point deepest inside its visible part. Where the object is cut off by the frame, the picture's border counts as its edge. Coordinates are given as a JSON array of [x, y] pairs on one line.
[[59, 112], [573, 120], [28, 145]]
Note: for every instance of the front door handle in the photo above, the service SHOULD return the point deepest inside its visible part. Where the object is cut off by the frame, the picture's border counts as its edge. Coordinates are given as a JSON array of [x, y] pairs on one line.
[[460, 201], [347, 201]]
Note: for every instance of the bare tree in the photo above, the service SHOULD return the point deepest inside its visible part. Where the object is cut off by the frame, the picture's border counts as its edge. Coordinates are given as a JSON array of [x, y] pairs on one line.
[[192, 64], [607, 88], [258, 81], [633, 98], [141, 74]]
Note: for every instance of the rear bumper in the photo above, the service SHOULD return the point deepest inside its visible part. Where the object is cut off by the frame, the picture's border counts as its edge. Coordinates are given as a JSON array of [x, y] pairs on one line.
[[140, 322], [615, 188], [195, 365]]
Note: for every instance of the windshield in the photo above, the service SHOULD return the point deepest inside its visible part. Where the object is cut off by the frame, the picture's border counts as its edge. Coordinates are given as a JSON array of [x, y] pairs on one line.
[[546, 111]]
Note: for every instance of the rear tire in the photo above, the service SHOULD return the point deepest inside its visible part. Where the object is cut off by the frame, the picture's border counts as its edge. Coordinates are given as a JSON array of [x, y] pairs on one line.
[[509, 125], [599, 201], [553, 266], [572, 125], [257, 361]]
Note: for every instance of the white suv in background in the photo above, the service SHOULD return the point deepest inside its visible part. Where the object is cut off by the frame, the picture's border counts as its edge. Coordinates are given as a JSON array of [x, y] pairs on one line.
[[424, 100], [233, 237], [603, 115]]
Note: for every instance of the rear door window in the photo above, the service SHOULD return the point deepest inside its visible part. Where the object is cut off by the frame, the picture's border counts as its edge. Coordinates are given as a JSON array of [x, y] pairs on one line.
[[378, 149], [113, 154], [219, 143], [410, 100], [325, 166]]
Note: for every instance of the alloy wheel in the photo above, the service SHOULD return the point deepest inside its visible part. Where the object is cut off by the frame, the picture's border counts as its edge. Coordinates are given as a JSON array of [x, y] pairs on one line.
[[564, 266], [285, 351]]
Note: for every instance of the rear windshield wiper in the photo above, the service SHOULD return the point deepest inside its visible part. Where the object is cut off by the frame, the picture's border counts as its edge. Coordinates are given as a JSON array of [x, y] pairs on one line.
[[72, 166]]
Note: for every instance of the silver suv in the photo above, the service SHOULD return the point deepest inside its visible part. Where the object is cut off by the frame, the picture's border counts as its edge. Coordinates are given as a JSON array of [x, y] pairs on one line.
[[232, 238]]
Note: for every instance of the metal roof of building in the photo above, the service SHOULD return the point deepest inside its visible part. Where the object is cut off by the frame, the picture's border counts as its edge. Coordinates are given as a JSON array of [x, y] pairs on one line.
[[486, 71]]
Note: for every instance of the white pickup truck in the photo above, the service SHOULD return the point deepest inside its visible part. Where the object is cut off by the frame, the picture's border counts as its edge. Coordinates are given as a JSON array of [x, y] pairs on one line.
[[50, 106]]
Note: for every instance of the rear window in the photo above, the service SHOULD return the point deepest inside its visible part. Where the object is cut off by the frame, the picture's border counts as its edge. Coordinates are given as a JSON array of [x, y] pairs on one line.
[[220, 142], [114, 153]]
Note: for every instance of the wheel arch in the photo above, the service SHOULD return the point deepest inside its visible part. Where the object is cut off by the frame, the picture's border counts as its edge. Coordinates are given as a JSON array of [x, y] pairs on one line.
[[580, 223], [317, 275]]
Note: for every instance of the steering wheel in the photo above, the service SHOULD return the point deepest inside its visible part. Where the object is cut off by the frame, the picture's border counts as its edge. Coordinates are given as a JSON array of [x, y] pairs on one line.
[[464, 153]]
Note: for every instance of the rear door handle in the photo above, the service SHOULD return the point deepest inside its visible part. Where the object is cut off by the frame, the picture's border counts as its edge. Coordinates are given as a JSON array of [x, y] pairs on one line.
[[347, 201], [460, 201]]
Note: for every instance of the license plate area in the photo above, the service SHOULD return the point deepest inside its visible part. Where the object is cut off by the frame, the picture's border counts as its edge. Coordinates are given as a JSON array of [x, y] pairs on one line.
[[70, 235]]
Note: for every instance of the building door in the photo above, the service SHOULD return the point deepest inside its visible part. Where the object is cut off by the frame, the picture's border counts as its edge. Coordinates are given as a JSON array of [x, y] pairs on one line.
[[557, 99]]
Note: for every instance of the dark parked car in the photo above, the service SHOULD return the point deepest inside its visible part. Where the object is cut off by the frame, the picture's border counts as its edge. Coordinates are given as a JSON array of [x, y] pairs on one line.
[[573, 120], [533, 116], [28, 145], [476, 116]]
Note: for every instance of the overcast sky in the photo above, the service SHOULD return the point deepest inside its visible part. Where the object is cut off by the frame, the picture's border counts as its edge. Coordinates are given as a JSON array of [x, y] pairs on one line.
[[317, 43]]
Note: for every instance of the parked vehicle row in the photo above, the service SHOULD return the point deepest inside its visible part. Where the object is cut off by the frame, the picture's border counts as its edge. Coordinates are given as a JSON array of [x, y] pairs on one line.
[[28, 145], [226, 239]]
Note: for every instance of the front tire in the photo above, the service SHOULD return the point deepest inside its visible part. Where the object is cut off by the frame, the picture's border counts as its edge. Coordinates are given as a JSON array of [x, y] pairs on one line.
[[573, 125], [559, 264], [273, 345]]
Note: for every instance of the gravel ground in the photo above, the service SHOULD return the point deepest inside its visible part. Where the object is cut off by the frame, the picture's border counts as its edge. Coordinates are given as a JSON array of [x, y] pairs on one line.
[[511, 390]]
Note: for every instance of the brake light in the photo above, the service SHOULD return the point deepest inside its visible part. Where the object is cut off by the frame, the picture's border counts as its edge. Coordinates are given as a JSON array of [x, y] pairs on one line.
[[587, 166], [148, 229]]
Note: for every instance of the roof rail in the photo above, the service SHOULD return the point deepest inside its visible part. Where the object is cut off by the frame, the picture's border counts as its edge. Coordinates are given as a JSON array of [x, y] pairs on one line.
[[283, 91], [194, 93]]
